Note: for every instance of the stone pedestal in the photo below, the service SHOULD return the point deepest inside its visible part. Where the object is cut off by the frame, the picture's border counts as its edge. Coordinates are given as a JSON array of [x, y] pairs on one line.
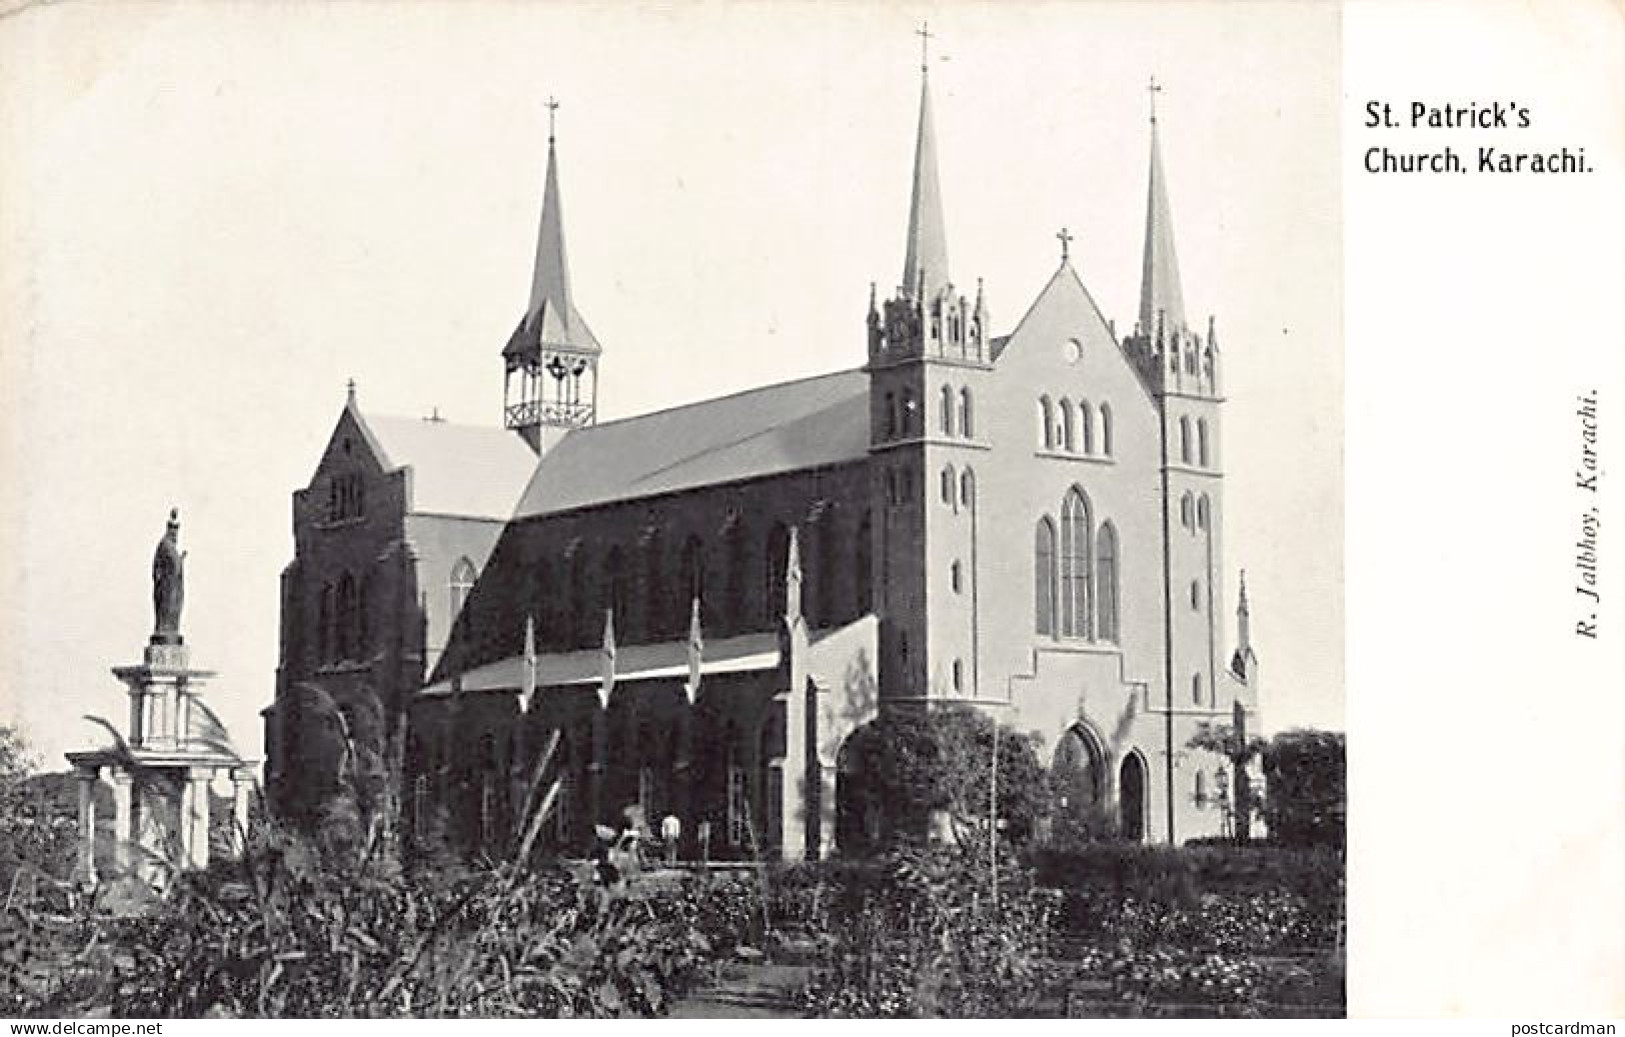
[[162, 690], [161, 775]]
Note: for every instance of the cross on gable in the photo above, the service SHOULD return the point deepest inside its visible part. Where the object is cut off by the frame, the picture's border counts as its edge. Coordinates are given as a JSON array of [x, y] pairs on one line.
[[552, 110], [1153, 88], [1065, 237], [924, 33]]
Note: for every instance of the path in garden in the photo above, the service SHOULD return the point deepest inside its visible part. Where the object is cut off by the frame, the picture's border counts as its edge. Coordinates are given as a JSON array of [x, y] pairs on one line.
[[749, 991]]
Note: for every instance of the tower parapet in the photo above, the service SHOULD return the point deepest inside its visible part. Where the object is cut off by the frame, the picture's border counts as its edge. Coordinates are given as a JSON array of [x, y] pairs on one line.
[[1176, 360], [942, 326]]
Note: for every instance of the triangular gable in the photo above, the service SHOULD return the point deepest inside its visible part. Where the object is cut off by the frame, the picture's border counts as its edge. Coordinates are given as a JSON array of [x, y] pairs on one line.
[[1064, 310], [353, 427]]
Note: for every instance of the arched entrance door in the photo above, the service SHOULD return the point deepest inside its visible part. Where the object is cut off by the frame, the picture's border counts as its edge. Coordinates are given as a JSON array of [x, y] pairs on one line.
[[1079, 776], [1131, 798], [857, 814]]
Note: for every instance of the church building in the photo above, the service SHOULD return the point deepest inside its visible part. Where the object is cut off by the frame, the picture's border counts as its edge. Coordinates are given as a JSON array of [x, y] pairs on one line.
[[698, 611]]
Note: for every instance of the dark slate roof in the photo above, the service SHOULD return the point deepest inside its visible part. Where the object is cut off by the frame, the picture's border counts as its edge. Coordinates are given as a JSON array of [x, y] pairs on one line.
[[470, 470], [789, 427]]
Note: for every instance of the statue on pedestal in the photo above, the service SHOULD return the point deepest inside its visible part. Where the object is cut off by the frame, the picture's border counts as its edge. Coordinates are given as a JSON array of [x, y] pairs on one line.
[[168, 584]]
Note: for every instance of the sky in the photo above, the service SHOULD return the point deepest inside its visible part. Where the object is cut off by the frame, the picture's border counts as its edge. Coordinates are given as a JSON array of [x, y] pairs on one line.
[[218, 214]]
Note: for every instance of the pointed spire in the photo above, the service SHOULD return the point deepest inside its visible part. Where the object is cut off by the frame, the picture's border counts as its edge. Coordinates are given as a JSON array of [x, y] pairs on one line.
[[551, 317], [606, 682], [792, 578], [1161, 301], [528, 690], [696, 651], [925, 267], [1244, 638]]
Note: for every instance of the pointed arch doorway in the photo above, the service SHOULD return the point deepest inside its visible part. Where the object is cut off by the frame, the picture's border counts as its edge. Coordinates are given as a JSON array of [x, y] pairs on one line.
[[1131, 783], [1079, 777]]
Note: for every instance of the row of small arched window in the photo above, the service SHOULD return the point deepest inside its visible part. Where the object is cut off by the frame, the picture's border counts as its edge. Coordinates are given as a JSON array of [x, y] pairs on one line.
[[343, 627], [1193, 511], [956, 413], [957, 492], [1076, 567], [1076, 428], [346, 497], [1193, 451], [652, 598]]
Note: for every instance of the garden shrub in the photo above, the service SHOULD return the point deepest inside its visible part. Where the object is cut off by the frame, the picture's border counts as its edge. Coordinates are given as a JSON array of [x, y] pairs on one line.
[[294, 931], [922, 934]]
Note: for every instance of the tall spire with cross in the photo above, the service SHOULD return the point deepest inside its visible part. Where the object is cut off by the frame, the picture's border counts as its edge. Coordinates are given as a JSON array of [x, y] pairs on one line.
[[925, 266], [1161, 299], [552, 356]]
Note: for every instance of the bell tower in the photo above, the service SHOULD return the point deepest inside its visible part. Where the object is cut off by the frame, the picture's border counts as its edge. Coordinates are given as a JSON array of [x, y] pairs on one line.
[[1180, 366], [928, 365], [550, 363]]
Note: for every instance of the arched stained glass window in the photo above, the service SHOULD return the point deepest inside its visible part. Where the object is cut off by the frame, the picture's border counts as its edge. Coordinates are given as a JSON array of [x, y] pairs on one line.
[[462, 581], [1046, 423], [346, 617], [947, 411], [1106, 429], [1201, 442], [776, 566], [1076, 541], [587, 623], [1067, 436], [657, 617], [967, 414], [615, 586], [1044, 578], [1185, 440], [862, 556], [1086, 421], [1106, 578], [693, 572]]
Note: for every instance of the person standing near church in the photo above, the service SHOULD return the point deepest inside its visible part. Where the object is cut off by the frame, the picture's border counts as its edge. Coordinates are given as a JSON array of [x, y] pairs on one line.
[[671, 830]]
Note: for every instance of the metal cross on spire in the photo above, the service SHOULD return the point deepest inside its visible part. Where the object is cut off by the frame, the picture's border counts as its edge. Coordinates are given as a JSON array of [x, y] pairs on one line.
[[552, 111], [924, 33], [1153, 88], [1065, 237]]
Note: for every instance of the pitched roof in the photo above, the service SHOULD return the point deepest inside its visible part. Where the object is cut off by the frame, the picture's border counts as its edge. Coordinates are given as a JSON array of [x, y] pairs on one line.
[[456, 469], [778, 428]]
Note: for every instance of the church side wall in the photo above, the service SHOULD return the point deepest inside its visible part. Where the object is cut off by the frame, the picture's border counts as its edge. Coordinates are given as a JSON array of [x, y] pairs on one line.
[[342, 647], [561, 568]]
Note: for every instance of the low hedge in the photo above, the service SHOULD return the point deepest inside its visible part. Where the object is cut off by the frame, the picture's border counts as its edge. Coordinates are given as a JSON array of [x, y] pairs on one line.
[[1180, 874]]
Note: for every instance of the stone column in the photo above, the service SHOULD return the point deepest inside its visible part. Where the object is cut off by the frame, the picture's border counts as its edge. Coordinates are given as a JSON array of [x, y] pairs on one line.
[[123, 817], [195, 823], [86, 870], [242, 784]]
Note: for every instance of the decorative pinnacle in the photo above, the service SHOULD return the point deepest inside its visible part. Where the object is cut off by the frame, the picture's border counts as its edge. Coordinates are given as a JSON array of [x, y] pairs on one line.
[[1065, 237], [1154, 88], [924, 33], [552, 111]]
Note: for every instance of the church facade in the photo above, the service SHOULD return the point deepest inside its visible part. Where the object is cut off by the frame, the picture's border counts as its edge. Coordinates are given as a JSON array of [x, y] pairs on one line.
[[699, 611]]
